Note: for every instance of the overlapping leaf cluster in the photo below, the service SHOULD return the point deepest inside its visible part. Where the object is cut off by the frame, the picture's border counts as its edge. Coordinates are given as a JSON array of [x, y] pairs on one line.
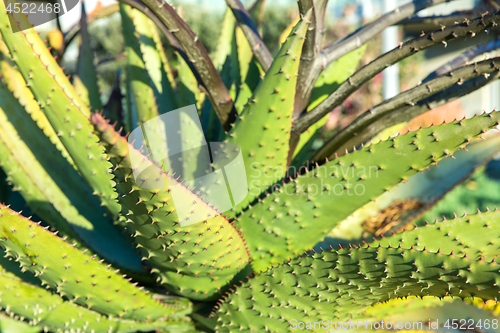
[[110, 255]]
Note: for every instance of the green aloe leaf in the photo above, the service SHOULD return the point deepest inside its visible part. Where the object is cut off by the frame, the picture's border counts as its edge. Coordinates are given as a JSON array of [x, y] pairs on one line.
[[403, 203], [194, 260], [249, 72], [61, 106], [137, 74], [53, 188], [12, 325], [167, 67], [263, 129], [336, 286], [149, 73], [147, 79], [77, 276], [156, 61], [86, 68], [224, 44], [474, 236], [17, 86], [33, 308], [187, 85], [297, 214]]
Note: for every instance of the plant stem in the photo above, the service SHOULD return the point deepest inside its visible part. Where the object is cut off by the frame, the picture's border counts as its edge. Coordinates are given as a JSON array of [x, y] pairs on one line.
[[351, 42], [409, 97], [195, 54], [311, 48], [465, 57], [409, 112], [376, 66], [260, 51]]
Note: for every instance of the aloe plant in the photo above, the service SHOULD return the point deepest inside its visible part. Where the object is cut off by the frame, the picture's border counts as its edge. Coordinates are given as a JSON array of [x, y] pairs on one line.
[[310, 247]]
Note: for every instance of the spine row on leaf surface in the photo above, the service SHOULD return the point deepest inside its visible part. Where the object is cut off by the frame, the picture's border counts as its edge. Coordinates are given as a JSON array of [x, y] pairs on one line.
[[195, 260], [295, 215], [77, 276], [341, 285], [62, 107]]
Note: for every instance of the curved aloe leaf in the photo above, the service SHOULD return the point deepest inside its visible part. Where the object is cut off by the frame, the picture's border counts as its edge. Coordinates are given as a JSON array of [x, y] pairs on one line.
[[340, 285], [298, 213], [17, 86], [11, 325], [195, 260], [224, 47], [156, 62], [35, 308], [137, 75], [474, 236], [62, 107], [76, 275], [54, 189], [86, 68], [161, 51], [36, 50], [187, 85], [148, 69], [248, 70], [286, 32], [402, 204], [226, 64], [263, 128]]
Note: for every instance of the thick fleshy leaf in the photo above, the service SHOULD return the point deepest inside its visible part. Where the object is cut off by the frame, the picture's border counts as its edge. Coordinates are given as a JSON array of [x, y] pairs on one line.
[[336, 286], [53, 188], [61, 106], [86, 68], [263, 128], [33, 308], [403, 203], [17, 86], [142, 93], [76, 275], [296, 215], [194, 260]]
